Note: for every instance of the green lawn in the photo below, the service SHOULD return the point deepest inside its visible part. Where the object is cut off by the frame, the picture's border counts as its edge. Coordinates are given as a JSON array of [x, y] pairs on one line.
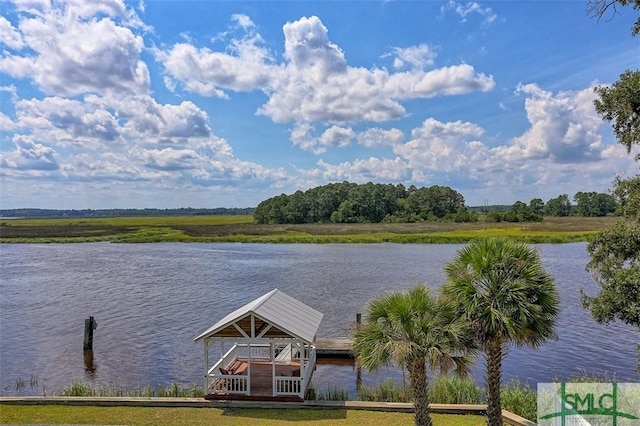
[[60, 414]]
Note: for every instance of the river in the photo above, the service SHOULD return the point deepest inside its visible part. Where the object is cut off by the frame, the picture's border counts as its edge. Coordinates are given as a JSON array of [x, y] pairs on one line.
[[151, 300]]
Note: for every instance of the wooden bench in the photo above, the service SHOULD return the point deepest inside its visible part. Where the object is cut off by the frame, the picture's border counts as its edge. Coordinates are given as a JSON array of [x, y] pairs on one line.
[[241, 369], [238, 367]]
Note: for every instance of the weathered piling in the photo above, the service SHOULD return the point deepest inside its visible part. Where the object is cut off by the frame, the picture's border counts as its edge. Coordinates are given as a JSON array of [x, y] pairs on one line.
[[90, 324]]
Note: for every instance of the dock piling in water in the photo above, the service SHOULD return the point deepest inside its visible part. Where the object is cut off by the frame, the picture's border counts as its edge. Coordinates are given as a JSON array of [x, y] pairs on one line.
[[90, 324]]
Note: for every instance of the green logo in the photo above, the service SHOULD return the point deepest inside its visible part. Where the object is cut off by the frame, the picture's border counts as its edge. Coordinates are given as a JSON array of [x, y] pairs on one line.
[[567, 404]]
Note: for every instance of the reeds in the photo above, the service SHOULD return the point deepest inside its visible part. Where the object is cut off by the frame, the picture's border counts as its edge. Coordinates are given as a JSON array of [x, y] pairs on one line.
[[173, 390]]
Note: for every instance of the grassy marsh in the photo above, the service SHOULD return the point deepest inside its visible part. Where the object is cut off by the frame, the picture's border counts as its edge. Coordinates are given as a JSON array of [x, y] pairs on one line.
[[239, 228]]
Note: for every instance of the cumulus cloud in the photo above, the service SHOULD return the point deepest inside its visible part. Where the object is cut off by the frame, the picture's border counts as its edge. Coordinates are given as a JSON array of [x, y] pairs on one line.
[[564, 132], [444, 147], [169, 159], [564, 127], [314, 84], [304, 136], [375, 137], [244, 66], [72, 52], [29, 156], [364, 170]]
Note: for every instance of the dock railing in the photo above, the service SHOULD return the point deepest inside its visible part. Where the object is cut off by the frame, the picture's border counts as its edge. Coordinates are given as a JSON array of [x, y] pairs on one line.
[[218, 383], [296, 386], [255, 352], [308, 371]]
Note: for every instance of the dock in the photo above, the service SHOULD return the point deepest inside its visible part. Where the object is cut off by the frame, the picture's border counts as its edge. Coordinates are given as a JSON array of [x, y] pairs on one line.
[[334, 348]]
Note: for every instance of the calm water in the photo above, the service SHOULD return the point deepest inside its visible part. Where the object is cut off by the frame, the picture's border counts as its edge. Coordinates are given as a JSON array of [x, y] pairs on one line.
[[151, 300]]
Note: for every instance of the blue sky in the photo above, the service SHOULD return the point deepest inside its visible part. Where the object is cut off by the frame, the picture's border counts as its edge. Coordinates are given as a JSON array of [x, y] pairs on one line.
[[163, 104]]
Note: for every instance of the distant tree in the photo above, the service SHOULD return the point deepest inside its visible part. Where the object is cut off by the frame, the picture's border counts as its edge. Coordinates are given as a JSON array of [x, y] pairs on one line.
[[506, 295], [537, 206], [415, 331], [559, 206], [520, 212], [591, 204]]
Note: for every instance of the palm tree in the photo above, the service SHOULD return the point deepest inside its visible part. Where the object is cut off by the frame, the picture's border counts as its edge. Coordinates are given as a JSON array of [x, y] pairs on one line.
[[506, 295], [415, 331]]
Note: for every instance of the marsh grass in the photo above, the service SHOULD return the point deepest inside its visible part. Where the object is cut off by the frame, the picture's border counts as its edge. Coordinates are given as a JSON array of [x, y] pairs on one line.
[[330, 393], [240, 228], [520, 399], [456, 390], [171, 391], [386, 391]]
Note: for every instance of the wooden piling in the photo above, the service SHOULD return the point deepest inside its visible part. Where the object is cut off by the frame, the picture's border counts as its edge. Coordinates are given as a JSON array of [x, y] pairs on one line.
[[90, 324]]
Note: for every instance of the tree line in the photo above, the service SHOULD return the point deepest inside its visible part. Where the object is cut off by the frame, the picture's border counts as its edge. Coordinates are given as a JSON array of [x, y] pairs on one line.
[[365, 203], [374, 203], [588, 204]]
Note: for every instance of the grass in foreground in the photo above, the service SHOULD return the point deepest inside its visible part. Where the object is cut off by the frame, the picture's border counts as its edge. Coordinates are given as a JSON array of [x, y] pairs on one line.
[[60, 414]]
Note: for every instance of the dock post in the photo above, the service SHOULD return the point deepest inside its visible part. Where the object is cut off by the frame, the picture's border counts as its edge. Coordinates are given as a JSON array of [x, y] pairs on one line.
[[90, 324], [357, 364]]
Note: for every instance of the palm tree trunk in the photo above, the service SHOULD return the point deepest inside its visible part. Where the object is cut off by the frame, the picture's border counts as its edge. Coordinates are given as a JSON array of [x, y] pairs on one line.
[[494, 379], [418, 378]]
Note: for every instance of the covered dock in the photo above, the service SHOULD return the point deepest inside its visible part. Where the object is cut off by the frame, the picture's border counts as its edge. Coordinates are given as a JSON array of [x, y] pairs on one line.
[[267, 350]]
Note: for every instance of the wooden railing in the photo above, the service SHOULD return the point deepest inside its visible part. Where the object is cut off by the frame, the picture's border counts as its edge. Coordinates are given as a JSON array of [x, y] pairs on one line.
[[219, 383], [286, 385], [229, 384], [256, 352], [311, 365]]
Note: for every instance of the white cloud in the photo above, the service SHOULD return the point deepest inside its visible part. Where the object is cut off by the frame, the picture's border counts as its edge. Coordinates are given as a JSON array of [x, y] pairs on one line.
[[303, 136], [308, 49], [374, 137], [315, 83], [29, 156], [205, 72], [242, 20], [74, 55], [420, 56], [169, 159], [9, 35], [564, 127], [363, 170], [441, 147], [337, 137], [468, 9]]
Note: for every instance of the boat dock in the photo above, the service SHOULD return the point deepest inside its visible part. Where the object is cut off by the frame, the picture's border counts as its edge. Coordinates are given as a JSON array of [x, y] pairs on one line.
[[334, 348]]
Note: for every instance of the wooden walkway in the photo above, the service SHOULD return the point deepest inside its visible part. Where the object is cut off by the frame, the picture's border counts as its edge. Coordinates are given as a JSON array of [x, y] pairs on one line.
[[334, 348]]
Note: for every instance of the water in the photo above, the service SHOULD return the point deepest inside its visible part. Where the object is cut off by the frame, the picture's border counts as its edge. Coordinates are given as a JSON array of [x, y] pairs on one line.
[[151, 300]]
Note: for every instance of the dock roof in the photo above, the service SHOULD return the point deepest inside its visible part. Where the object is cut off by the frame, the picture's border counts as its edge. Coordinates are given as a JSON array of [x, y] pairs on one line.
[[277, 309]]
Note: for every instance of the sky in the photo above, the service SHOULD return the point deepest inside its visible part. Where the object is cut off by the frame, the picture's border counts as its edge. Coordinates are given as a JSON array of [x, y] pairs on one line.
[[204, 104]]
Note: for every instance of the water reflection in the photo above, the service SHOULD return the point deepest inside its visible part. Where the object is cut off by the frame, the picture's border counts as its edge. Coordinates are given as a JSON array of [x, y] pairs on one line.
[[89, 365]]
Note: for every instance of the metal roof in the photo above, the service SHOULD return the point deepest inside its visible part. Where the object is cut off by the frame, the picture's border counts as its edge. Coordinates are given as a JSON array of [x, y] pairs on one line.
[[280, 310]]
